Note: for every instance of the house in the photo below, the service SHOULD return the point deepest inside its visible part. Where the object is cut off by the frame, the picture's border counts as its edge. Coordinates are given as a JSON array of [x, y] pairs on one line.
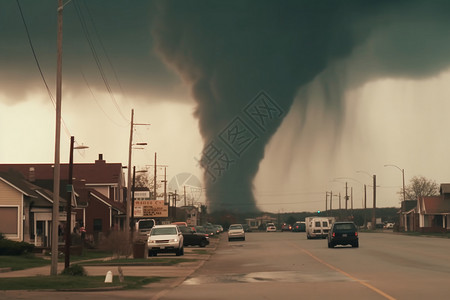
[[26, 210], [434, 214], [99, 188], [428, 213]]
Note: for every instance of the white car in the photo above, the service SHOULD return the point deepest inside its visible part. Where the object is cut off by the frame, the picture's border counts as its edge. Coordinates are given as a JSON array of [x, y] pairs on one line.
[[389, 226], [270, 227], [165, 239], [236, 231]]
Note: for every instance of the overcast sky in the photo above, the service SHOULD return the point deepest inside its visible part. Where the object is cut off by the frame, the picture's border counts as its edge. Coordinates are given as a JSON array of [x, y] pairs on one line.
[[358, 86]]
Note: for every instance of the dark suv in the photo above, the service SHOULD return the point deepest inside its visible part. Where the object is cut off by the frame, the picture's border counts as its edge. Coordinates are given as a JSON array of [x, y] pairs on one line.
[[343, 233]]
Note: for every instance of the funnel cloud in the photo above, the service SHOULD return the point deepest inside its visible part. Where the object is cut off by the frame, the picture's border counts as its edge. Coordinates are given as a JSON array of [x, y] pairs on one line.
[[231, 52]]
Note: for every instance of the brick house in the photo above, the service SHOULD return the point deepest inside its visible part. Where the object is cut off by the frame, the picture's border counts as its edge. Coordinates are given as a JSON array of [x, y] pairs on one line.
[[99, 188]]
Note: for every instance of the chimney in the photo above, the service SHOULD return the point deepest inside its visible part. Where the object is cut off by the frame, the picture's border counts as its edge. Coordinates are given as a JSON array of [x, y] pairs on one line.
[[31, 174], [100, 159]]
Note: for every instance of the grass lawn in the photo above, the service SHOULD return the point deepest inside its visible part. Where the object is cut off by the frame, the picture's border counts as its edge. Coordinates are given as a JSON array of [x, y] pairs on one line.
[[22, 262], [64, 282]]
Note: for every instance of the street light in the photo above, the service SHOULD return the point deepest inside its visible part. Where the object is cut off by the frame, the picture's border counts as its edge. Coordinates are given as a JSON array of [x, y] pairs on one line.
[[403, 180], [69, 203]]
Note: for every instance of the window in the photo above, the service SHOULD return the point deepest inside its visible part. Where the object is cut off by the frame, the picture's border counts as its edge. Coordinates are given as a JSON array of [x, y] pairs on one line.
[[10, 220], [164, 231], [318, 224], [97, 225]]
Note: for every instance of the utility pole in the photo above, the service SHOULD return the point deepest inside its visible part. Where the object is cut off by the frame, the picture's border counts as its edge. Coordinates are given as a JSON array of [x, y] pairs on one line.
[[130, 149], [374, 201], [154, 180], [326, 201], [174, 199], [365, 206], [331, 201], [339, 200], [351, 196], [57, 168], [346, 195], [165, 186]]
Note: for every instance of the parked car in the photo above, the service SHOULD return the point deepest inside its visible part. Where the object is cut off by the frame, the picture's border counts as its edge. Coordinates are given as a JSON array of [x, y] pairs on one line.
[[286, 227], [299, 227], [389, 226], [210, 230], [217, 229], [193, 238], [165, 239], [236, 231], [343, 233], [201, 229], [270, 227]]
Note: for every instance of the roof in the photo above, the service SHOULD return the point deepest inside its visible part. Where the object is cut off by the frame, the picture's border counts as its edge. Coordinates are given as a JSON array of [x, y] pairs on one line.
[[410, 204], [431, 205], [445, 188], [39, 196], [98, 172]]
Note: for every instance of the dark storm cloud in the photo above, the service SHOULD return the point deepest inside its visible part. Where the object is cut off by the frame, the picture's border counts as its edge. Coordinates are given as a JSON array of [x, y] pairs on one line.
[[228, 51], [120, 27]]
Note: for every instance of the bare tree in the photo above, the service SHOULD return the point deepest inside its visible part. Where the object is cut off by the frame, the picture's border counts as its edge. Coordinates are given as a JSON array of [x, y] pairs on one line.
[[420, 186], [142, 180]]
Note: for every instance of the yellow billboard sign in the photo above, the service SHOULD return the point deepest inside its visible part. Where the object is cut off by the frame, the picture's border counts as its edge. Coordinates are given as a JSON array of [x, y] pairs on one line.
[[151, 208]]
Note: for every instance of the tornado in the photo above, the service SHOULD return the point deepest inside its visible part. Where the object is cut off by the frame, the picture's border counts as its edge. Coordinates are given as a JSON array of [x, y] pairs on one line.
[[247, 61]]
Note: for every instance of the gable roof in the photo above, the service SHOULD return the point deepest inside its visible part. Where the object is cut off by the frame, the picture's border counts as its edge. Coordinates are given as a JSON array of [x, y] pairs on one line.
[[38, 195], [98, 172], [88, 194], [434, 205]]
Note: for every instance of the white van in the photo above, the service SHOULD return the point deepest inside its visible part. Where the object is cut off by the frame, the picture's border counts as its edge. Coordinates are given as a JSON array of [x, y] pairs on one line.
[[318, 227], [143, 228]]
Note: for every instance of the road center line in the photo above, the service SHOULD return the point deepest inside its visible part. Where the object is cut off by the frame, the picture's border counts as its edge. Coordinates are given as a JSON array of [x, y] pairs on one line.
[[378, 291]]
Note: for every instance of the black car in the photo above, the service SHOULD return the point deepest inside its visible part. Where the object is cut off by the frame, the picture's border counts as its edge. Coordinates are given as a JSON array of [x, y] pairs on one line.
[[343, 233], [193, 238], [299, 227]]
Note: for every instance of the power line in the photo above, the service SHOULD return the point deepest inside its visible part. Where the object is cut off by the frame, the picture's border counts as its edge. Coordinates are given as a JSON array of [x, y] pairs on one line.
[[52, 99], [97, 60]]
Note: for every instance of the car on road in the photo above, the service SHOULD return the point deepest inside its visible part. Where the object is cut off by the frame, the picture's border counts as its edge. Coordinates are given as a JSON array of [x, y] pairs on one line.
[[286, 227], [193, 238], [210, 229], [236, 231], [299, 227], [270, 227], [343, 233], [165, 239]]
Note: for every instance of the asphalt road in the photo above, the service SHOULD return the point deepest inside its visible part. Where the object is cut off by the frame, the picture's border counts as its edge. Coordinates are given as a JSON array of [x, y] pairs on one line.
[[285, 265], [288, 266]]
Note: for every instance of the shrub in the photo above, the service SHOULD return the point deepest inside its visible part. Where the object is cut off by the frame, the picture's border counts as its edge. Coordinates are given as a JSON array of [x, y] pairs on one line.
[[118, 243], [74, 270], [8, 247]]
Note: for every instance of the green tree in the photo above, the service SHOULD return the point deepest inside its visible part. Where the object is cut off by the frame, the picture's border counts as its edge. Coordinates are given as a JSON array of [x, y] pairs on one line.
[[420, 186]]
